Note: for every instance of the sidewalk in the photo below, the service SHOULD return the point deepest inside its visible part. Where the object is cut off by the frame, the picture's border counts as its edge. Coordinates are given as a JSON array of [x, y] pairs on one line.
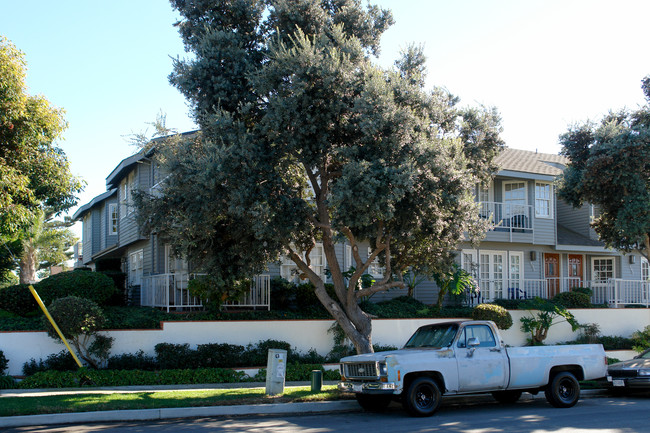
[[208, 411]]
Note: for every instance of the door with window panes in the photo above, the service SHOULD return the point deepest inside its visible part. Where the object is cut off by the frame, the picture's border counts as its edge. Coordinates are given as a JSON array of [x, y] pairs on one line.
[[492, 271]]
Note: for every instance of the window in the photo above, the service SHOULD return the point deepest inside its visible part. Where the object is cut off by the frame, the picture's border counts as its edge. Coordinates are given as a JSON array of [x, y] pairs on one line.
[[112, 219], [127, 186], [493, 273], [543, 200], [481, 332], [375, 269], [289, 271], [645, 269], [514, 198], [603, 269], [136, 266], [174, 264], [87, 227]]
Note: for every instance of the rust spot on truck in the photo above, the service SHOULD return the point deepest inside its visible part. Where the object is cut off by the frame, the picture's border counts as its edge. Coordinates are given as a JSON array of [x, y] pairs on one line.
[[447, 353]]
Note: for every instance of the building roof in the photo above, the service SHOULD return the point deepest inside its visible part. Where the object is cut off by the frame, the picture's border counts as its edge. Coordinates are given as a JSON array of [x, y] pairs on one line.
[[526, 161], [566, 236], [85, 208]]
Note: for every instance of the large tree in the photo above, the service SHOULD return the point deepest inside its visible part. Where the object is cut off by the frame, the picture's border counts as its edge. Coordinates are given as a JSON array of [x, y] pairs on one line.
[[304, 140], [34, 171], [610, 168]]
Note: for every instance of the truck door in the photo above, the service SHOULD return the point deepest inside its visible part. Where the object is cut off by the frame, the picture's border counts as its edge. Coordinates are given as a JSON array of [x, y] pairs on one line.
[[484, 367]]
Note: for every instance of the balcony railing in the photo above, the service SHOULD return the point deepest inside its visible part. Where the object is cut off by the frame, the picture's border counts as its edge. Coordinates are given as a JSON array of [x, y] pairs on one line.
[[614, 291], [507, 217], [171, 291]]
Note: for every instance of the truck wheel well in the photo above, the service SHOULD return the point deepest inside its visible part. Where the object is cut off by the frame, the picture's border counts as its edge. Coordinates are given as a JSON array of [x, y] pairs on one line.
[[435, 375], [576, 370]]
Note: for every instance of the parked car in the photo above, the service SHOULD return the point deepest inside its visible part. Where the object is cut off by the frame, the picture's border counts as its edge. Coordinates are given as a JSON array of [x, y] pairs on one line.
[[632, 374], [468, 357]]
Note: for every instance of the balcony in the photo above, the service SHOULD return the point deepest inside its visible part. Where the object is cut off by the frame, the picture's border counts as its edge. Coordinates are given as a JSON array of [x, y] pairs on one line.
[[507, 217], [614, 292], [171, 291]]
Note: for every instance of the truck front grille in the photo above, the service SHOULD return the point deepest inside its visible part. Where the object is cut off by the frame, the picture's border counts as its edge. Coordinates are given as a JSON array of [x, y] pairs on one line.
[[361, 370]]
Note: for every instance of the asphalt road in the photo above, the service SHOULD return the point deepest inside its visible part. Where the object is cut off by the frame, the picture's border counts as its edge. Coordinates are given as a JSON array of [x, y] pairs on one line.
[[595, 415]]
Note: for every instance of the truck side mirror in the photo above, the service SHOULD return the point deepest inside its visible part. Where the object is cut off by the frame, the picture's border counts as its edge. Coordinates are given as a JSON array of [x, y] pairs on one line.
[[473, 342]]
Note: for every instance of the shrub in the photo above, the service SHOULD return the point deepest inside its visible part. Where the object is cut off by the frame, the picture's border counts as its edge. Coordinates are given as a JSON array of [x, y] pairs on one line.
[[4, 363], [170, 356], [495, 313], [641, 339], [18, 300], [257, 355], [585, 290], [132, 361], [542, 314], [61, 361], [283, 294], [511, 304], [83, 284], [79, 319], [300, 373], [215, 355], [572, 299], [402, 307]]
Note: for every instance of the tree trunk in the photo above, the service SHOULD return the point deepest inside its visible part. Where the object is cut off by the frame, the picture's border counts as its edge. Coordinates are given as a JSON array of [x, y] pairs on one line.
[[28, 266]]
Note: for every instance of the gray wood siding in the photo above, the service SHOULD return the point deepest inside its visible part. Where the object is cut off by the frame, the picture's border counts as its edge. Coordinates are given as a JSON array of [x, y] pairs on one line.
[[96, 231], [576, 219], [544, 231]]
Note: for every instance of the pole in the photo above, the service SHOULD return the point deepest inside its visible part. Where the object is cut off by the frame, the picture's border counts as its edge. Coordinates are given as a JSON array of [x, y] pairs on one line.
[[56, 328]]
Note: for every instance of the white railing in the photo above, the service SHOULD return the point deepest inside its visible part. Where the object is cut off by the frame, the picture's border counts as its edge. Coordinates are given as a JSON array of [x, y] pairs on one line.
[[258, 296], [614, 291], [168, 291], [506, 216], [171, 291]]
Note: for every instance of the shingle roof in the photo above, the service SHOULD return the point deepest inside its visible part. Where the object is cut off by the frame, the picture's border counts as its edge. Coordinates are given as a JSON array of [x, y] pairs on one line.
[[531, 162]]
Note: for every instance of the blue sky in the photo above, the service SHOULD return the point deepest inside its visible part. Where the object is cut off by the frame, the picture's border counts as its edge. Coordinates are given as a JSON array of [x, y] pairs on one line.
[[543, 64]]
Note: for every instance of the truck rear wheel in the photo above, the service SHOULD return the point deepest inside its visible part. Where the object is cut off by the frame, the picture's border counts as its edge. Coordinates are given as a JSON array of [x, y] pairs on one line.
[[422, 397], [506, 397], [374, 403], [563, 390]]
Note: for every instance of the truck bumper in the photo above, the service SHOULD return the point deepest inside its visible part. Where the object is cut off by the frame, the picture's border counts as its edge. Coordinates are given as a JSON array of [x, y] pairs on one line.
[[368, 387]]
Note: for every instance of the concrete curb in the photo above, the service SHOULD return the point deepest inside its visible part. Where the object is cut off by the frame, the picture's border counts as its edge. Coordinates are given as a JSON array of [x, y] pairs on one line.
[[233, 410]]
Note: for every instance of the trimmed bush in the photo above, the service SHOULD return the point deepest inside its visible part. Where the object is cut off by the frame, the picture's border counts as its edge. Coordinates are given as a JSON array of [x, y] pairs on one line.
[[18, 300], [95, 286], [170, 356], [572, 299], [132, 361], [495, 313], [4, 363], [61, 361]]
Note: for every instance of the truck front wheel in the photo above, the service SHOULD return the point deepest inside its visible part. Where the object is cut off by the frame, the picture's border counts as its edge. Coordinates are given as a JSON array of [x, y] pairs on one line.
[[422, 397], [563, 390], [374, 403]]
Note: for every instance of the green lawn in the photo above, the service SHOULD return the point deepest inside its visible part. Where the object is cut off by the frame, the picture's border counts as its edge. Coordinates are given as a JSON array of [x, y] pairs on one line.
[[11, 406]]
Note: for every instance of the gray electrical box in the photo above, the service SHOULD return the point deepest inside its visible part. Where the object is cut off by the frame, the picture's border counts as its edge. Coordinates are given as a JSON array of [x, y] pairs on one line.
[[276, 369]]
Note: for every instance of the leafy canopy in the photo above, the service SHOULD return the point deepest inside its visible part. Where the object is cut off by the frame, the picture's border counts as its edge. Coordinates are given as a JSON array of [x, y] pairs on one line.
[[610, 167], [304, 140]]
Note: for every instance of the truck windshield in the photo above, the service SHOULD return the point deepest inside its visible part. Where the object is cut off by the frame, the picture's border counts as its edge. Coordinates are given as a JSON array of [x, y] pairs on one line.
[[433, 336]]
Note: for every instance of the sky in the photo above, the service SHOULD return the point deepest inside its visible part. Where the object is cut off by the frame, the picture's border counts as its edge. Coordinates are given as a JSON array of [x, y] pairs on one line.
[[544, 64]]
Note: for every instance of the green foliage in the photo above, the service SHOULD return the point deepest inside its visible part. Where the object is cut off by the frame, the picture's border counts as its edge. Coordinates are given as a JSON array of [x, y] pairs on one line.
[[18, 300], [79, 320], [608, 168], [641, 339], [495, 313], [572, 299], [542, 314], [132, 361], [4, 363], [171, 355], [7, 382], [94, 286], [455, 281], [300, 373], [61, 361], [400, 307], [139, 317], [34, 172], [305, 140]]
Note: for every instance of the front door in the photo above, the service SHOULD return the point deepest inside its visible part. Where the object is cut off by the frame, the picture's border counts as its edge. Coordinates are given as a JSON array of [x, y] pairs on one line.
[[552, 273], [575, 271]]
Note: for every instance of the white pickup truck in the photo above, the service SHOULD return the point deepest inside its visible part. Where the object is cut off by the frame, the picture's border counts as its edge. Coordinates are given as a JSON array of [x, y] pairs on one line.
[[466, 357]]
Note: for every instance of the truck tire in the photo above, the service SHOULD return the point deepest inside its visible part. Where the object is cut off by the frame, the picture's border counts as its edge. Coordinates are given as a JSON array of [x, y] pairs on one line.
[[563, 390], [506, 397], [374, 403], [422, 397]]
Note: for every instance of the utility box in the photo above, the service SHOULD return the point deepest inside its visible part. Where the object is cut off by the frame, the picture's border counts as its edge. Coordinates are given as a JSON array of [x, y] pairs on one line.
[[276, 369]]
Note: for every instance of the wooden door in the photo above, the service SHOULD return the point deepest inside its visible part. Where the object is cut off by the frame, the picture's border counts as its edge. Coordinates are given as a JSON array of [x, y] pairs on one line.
[[576, 267], [552, 273]]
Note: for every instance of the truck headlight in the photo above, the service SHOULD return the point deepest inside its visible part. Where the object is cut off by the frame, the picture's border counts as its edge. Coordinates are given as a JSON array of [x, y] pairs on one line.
[[644, 372], [383, 370]]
